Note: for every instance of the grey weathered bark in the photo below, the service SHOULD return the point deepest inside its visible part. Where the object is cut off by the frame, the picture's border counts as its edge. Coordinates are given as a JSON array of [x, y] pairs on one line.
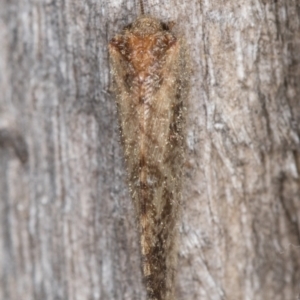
[[67, 224]]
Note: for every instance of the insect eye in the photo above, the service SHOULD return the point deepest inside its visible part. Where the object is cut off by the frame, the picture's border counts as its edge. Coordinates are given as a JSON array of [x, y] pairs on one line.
[[128, 27], [165, 26]]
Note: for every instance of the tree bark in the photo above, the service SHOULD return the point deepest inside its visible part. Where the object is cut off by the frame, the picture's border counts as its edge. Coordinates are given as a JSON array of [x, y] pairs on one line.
[[67, 222]]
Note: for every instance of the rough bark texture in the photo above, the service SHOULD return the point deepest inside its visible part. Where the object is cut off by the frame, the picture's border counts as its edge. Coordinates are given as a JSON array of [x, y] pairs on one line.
[[67, 223]]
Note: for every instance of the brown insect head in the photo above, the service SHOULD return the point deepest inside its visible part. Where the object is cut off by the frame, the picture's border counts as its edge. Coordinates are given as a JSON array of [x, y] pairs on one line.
[[143, 43]]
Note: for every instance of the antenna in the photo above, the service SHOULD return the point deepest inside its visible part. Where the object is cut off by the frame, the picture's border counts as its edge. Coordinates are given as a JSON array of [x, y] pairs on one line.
[[142, 7]]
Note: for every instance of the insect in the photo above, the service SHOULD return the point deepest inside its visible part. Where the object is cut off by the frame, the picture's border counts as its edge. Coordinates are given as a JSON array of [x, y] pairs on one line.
[[151, 74]]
